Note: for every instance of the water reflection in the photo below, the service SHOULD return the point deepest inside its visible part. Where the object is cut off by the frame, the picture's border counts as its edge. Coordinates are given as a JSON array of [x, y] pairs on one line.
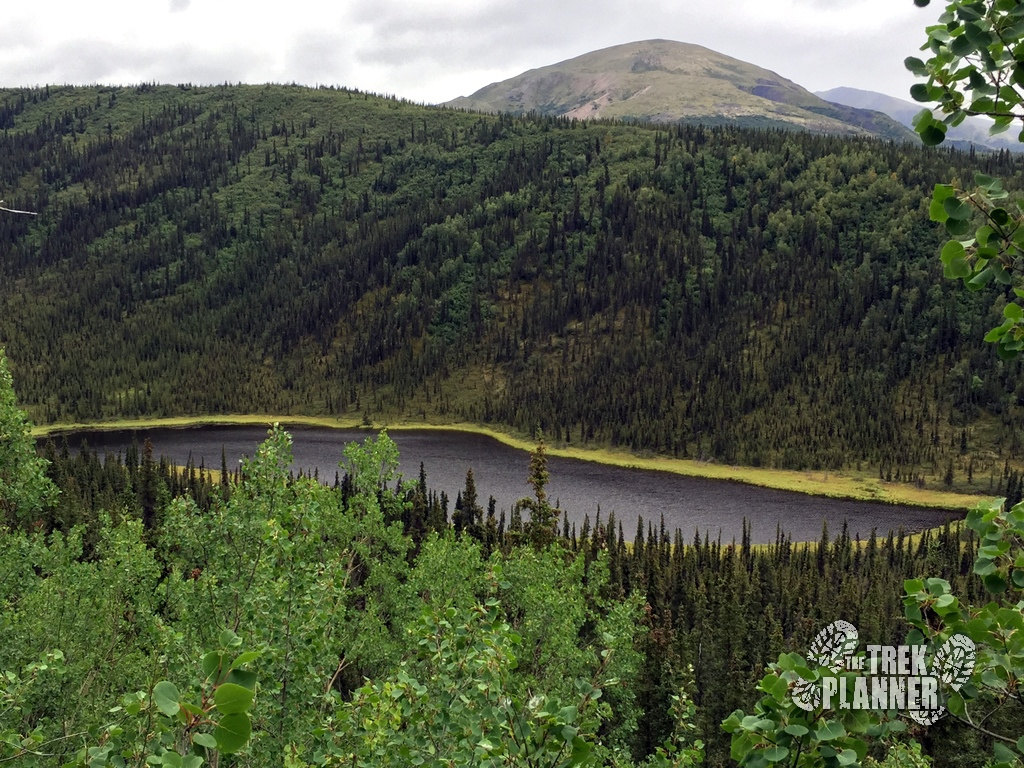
[[710, 507]]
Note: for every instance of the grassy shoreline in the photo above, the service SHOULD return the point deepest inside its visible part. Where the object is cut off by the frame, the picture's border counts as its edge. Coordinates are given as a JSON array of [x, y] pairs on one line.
[[839, 485]]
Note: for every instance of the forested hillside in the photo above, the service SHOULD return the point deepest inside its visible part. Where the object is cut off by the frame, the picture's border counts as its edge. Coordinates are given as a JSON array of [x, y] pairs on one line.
[[756, 297]]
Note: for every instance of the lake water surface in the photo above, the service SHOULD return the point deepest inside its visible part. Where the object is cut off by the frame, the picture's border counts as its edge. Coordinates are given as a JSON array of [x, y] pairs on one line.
[[717, 507]]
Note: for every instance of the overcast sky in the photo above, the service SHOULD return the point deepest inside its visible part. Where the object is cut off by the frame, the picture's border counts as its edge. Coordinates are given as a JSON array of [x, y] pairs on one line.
[[435, 50]]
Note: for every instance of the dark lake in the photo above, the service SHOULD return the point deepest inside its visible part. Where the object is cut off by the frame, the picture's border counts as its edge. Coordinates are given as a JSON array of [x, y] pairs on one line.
[[580, 487]]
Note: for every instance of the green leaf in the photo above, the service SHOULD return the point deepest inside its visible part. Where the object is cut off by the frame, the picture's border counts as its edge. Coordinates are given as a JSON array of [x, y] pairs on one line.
[[232, 732], [957, 227], [1003, 352], [961, 46], [910, 586], [942, 192], [916, 66], [796, 730], [983, 104], [580, 751], [1013, 311], [968, 13], [830, 730], [755, 723], [996, 333], [212, 662], [244, 658], [204, 740], [166, 698], [847, 757], [985, 181], [774, 686], [1002, 276], [1003, 754], [957, 268], [919, 92], [978, 83], [774, 754], [951, 250], [936, 210], [933, 135], [922, 119], [231, 699], [242, 677], [228, 639], [741, 747], [945, 601], [981, 279], [995, 583], [731, 724], [956, 208], [170, 759], [979, 36]]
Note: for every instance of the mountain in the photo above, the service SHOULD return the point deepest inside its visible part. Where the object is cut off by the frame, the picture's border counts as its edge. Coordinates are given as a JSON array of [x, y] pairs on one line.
[[973, 131], [754, 297], [664, 81]]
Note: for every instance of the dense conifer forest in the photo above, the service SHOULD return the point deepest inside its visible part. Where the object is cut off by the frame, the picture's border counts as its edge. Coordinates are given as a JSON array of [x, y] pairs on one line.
[[754, 297], [757, 297], [133, 565]]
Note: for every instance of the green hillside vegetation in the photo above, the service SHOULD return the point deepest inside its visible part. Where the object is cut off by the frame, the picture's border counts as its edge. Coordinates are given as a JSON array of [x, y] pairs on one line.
[[764, 298], [664, 81], [154, 613]]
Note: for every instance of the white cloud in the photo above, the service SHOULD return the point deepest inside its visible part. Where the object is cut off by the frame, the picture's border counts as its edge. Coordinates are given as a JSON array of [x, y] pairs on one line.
[[433, 50]]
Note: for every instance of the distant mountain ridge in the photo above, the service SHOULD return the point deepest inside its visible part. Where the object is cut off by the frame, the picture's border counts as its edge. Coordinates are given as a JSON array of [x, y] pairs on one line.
[[667, 81], [974, 130]]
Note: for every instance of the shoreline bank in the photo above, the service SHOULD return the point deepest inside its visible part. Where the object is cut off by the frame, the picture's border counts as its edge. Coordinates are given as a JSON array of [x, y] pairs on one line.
[[826, 484]]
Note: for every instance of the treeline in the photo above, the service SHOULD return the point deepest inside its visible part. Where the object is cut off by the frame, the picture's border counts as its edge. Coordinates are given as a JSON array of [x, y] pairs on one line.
[[711, 614], [756, 297]]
